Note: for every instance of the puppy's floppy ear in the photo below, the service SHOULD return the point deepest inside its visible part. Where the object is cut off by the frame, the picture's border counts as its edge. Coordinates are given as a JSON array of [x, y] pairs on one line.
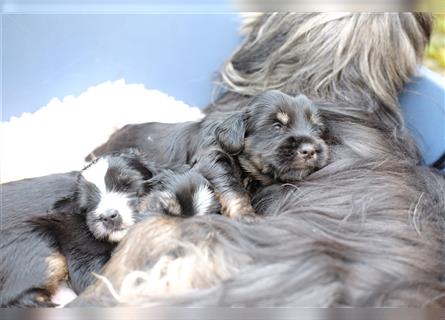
[[327, 134], [67, 204], [146, 187], [141, 162], [145, 169], [231, 131]]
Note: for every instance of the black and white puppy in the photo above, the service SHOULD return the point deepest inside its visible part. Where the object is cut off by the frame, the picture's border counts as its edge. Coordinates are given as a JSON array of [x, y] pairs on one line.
[[66, 226], [103, 206], [93, 210], [275, 138], [113, 193], [183, 192], [107, 193]]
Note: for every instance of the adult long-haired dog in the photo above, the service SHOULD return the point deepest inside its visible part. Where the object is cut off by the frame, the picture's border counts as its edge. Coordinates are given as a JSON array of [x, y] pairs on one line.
[[275, 138], [340, 56], [365, 230]]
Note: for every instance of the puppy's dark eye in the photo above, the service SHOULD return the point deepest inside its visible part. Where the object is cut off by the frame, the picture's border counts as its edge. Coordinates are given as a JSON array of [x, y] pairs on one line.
[[319, 130], [277, 126], [124, 184], [88, 207]]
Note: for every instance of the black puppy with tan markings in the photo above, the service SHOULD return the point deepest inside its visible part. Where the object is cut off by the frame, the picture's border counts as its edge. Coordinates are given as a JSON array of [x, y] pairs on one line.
[[276, 138]]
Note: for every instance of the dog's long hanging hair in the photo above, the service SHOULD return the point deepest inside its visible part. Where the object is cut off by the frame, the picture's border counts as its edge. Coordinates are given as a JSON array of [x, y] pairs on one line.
[[336, 56], [366, 230]]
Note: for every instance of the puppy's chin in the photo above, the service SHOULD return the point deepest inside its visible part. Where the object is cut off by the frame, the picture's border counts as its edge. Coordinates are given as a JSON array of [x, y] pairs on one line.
[[268, 172], [289, 176], [103, 233], [256, 169], [117, 235]]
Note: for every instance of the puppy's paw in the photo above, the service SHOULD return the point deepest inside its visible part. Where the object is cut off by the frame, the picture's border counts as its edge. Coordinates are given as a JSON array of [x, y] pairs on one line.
[[235, 206], [33, 298]]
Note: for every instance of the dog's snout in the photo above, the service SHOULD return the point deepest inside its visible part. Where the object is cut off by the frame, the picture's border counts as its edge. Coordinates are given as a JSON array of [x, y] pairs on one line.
[[111, 218], [307, 151]]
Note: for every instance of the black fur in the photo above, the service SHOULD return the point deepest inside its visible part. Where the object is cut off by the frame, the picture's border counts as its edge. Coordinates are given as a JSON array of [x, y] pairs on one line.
[[58, 219], [23, 247], [177, 193], [267, 142], [46, 217], [84, 253], [177, 144]]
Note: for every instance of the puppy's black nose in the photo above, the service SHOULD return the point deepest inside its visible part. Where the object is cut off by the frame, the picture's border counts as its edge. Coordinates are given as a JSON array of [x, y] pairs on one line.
[[306, 151], [111, 218]]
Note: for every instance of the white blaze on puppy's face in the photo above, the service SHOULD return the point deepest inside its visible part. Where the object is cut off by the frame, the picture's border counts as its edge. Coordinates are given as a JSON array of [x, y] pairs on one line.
[[96, 174], [202, 200], [109, 200], [119, 202]]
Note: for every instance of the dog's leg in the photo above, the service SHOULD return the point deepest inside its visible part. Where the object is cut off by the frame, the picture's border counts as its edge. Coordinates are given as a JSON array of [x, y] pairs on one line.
[[33, 298], [30, 269], [219, 168], [83, 253], [82, 269]]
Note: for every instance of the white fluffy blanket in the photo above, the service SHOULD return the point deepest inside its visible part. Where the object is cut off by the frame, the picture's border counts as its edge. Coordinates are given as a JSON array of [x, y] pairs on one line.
[[57, 137]]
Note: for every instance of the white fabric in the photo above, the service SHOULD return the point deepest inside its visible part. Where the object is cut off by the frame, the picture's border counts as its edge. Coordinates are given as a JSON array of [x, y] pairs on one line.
[[57, 137]]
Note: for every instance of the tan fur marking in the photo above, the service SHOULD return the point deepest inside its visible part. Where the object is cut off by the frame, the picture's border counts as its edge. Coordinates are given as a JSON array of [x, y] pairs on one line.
[[315, 119], [57, 270], [283, 117], [234, 205]]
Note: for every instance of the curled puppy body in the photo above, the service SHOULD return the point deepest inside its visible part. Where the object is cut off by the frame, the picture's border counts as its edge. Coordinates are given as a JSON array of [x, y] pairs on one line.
[[183, 192], [31, 266], [30, 263], [41, 248], [168, 144], [180, 193], [276, 138], [113, 193], [103, 206]]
